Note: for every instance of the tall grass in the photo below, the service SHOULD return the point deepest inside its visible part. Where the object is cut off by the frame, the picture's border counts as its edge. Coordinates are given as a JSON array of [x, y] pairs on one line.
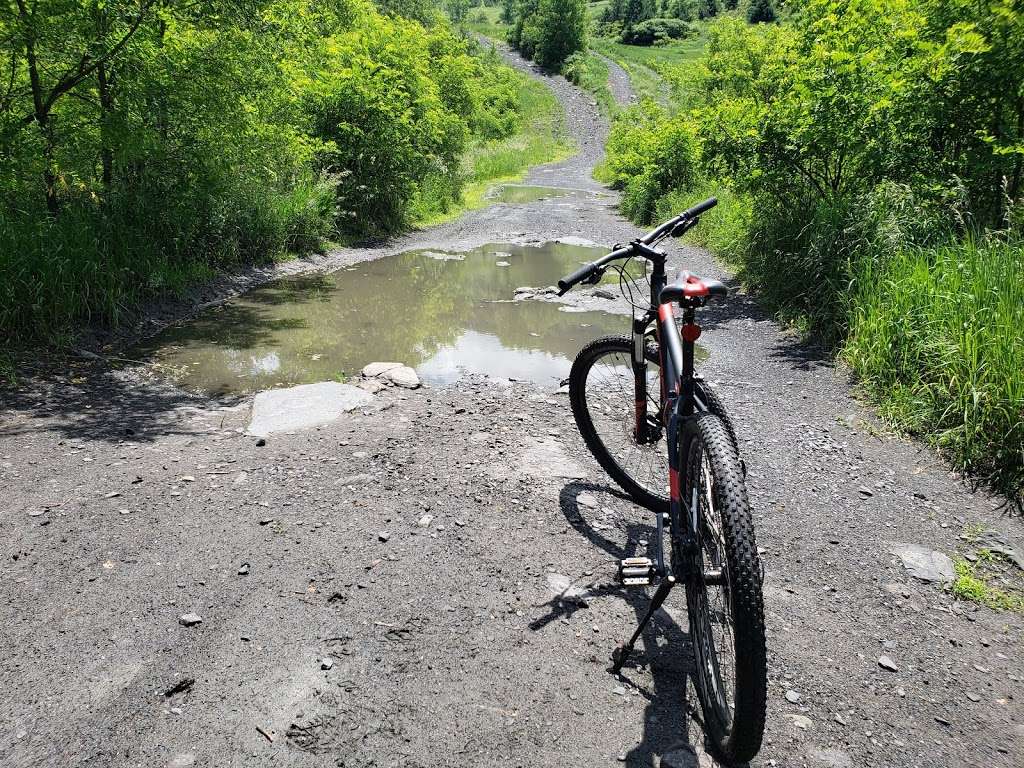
[[96, 260], [937, 337], [590, 72]]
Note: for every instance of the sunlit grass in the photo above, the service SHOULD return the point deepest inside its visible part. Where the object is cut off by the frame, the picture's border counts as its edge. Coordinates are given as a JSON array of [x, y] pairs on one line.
[[937, 338], [542, 139]]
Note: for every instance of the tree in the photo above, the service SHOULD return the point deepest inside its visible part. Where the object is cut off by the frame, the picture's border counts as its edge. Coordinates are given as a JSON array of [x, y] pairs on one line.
[[707, 9], [761, 12], [457, 10], [549, 31]]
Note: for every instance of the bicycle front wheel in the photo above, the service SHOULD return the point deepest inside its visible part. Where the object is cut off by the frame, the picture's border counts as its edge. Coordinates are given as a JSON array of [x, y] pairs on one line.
[[723, 591], [602, 391]]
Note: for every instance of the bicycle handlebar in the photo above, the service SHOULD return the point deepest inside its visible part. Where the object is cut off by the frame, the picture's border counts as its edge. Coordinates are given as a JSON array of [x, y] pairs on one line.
[[688, 216]]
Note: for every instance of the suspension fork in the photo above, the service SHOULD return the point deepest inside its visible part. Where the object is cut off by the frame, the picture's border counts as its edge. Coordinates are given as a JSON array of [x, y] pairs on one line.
[[641, 427]]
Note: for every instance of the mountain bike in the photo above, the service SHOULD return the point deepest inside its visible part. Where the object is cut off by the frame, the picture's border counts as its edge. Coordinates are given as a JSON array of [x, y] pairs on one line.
[[664, 436]]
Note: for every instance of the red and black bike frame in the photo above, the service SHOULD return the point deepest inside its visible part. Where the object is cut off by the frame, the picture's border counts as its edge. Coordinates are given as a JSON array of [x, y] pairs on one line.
[[678, 397]]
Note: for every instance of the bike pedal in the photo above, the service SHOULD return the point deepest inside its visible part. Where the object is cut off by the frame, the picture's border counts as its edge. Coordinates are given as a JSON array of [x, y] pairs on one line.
[[636, 571]]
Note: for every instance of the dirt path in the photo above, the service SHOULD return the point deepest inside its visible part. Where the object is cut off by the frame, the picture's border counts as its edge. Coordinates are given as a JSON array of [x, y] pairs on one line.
[[420, 548], [618, 81]]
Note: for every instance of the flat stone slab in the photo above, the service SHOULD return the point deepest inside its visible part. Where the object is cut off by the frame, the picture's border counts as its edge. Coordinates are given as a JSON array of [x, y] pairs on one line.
[[305, 406], [923, 563]]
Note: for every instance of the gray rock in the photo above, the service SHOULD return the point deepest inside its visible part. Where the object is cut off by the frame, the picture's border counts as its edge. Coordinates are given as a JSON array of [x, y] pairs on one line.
[[383, 535], [326, 662], [562, 588], [996, 542], [792, 696], [886, 663], [403, 376], [923, 563], [190, 619], [373, 386], [182, 760], [587, 500], [522, 289], [425, 521], [304, 406], [801, 721], [373, 370], [603, 293]]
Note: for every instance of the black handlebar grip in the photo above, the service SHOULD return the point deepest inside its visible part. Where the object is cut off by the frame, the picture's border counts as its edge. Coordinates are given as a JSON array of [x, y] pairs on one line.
[[569, 281], [699, 208]]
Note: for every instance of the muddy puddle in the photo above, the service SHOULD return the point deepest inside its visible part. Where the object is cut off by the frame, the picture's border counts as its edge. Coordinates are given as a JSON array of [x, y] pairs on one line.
[[530, 193], [446, 314]]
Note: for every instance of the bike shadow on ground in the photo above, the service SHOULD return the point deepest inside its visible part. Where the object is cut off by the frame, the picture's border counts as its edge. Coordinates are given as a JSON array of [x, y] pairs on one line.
[[672, 736]]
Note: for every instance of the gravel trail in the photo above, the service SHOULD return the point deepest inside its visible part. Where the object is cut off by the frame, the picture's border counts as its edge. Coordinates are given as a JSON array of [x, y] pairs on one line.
[[390, 589]]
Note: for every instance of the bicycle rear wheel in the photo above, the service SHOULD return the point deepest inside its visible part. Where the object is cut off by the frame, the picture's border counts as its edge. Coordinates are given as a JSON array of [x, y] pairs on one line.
[[602, 394], [723, 592]]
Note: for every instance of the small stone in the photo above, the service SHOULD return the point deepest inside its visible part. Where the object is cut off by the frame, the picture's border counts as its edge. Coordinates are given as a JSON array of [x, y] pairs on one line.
[[886, 663], [36, 512], [243, 569], [383, 535], [326, 663], [113, 494], [587, 500], [266, 521], [188, 478], [619, 690], [973, 696], [425, 521], [792, 696], [839, 719], [190, 619], [801, 721]]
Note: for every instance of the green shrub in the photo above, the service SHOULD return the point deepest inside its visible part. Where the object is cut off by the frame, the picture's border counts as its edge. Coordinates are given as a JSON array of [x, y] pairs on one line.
[[761, 12], [869, 146], [549, 31], [937, 336], [655, 31]]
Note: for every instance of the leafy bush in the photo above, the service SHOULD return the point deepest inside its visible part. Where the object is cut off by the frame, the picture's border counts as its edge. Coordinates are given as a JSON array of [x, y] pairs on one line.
[[657, 31], [198, 138], [549, 31], [870, 145], [761, 12]]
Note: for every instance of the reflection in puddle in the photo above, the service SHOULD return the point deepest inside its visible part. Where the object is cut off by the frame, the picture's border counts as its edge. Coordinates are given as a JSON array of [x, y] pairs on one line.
[[445, 314]]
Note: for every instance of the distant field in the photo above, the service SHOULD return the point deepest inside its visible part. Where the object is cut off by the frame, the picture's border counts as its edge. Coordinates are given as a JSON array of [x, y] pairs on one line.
[[485, 21], [656, 71]]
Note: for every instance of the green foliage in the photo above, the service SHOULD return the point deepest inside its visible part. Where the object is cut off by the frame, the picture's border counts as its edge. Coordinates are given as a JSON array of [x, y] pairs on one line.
[[971, 584], [457, 10], [760, 12], [648, 155], [870, 145], [549, 31], [707, 9], [143, 144], [937, 335], [590, 72], [629, 12], [655, 31]]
